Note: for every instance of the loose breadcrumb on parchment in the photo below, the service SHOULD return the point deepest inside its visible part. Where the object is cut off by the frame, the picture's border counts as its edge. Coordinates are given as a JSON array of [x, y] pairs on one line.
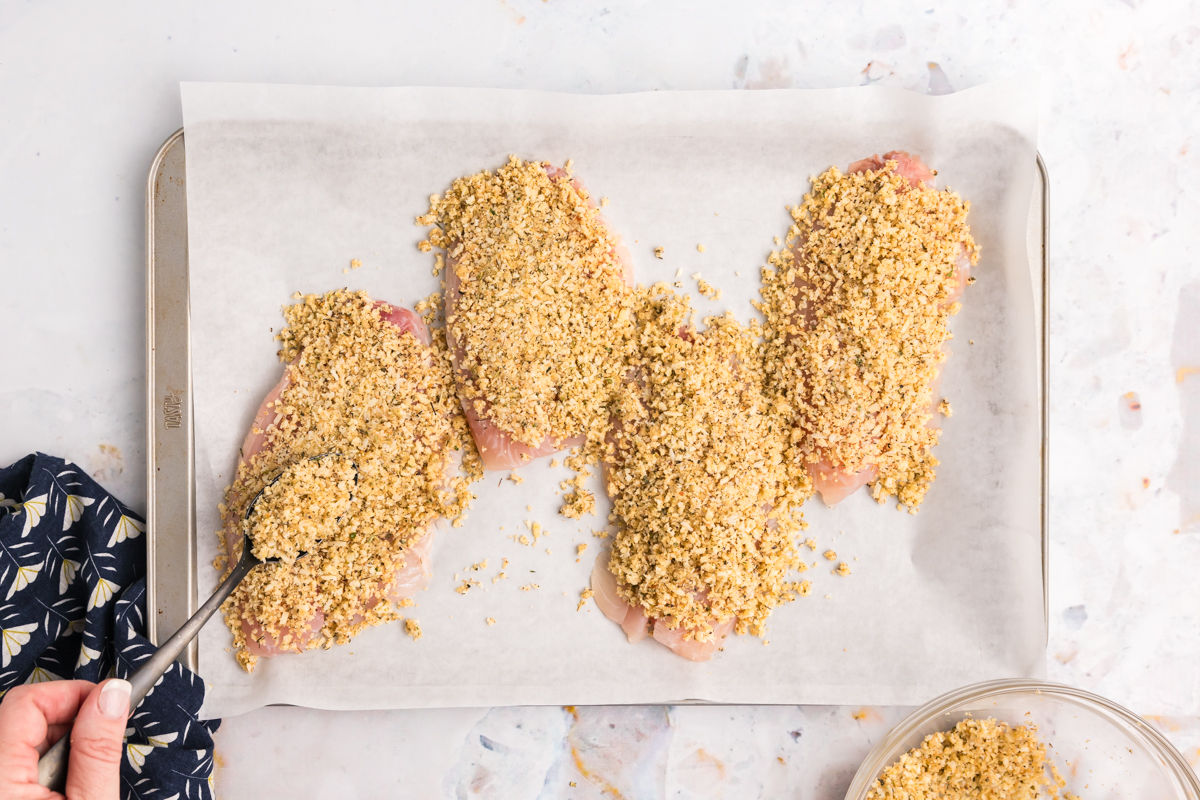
[[357, 387], [857, 307], [976, 760]]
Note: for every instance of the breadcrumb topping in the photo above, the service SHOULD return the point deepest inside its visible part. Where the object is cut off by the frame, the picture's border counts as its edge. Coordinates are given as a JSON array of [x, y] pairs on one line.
[[706, 489], [976, 760], [857, 308], [538, 310], [383, 400], [301, 508]]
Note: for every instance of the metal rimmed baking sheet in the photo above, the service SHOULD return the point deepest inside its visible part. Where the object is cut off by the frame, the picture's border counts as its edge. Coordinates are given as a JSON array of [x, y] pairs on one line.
[[1036, 244]]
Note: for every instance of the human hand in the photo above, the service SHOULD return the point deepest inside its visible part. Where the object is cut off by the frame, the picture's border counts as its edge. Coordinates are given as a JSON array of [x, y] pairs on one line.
[[35, 716]]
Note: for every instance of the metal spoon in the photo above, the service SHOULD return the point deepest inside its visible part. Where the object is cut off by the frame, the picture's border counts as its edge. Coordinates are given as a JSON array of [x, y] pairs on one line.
[[52, 767]]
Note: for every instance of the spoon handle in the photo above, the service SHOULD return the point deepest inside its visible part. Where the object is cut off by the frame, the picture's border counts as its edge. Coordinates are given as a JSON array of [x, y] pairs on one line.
[[153, 668], [52, 767]]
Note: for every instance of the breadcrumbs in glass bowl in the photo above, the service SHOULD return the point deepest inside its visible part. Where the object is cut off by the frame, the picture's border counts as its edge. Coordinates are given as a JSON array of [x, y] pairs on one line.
[[1093, 748]]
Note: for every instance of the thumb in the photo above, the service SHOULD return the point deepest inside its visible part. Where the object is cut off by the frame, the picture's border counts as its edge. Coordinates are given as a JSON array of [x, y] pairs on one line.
[[94, 772]]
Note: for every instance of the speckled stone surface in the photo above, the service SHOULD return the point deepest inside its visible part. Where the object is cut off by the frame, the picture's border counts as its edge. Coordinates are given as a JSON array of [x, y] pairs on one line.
[[87, 94]]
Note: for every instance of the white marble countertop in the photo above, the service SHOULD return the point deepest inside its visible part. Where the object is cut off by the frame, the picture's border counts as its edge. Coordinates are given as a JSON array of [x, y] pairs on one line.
[[87, 93]]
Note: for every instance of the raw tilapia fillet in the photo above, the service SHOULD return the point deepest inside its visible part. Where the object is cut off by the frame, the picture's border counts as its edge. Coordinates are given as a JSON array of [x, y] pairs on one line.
[[535, 285], [857, 399], [705, 486], [362, 382]]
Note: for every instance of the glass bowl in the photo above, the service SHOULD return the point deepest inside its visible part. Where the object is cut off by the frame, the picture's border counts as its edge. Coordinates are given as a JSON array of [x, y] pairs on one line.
[[1103, 750]]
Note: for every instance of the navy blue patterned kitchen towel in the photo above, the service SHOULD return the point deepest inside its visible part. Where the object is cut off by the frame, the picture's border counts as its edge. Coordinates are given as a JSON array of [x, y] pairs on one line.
[[73, 605]]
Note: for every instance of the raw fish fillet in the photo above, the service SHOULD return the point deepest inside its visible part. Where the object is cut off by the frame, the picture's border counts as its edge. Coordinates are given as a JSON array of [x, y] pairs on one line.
[[410, 578], [833, 482], [637, 625], [497, 448]]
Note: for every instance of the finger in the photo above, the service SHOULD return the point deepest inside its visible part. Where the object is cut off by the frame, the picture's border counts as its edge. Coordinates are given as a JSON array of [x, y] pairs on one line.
[[30, 716], [94, 772]]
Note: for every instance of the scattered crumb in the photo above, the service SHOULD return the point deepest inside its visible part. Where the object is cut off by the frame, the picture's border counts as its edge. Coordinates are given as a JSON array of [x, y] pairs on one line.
[[515, 478], [584, 596], [603, 201], [843, 569], [466, 585], [778, 241], [530, 587], [944, 408], [805, 588], [700, 248], [553, 463], [491, 620], [355, 263], [346, 271], [708, 290], [529, 508], [579, 548], [970, 341], [413, 629], [830, 555], [658, 252], [810, 543], [696, 276], [600, 534], [970, 280]]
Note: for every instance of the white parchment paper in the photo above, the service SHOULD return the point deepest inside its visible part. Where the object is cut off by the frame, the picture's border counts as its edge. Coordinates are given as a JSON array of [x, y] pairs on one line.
[[287, 184]]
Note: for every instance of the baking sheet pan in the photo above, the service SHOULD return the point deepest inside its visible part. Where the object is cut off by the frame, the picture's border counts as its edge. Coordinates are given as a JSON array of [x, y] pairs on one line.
[[171, 489]]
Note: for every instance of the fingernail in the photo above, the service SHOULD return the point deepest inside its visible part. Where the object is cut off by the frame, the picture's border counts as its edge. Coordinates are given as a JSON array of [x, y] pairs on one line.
[[114, 699]]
